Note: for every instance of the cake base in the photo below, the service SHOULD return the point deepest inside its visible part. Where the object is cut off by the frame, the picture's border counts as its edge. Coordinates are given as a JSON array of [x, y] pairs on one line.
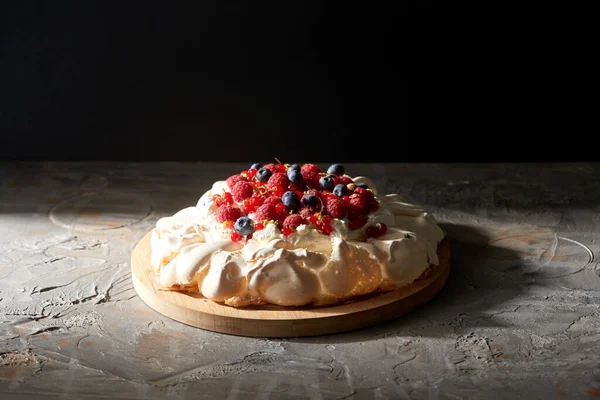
[[275, 321]]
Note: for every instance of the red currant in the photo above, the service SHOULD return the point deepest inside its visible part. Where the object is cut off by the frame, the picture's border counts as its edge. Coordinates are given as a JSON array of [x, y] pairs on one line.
[[236, 237], [286, 231]]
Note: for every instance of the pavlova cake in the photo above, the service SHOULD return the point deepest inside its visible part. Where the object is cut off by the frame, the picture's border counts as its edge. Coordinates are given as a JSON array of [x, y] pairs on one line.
[[294, 235]]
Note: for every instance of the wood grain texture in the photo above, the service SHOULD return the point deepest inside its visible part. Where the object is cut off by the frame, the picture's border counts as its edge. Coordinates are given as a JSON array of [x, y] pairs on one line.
[[275, 321]]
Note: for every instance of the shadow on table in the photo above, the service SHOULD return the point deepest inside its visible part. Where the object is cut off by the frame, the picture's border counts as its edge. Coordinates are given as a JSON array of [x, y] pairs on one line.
[[483, 277]]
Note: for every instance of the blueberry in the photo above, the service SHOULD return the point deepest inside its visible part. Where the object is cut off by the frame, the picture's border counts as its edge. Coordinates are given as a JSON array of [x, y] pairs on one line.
[[244, 226], [256, 166], [326, 183], [294, 166], [336, 169], [291, 200], [340, 190], [263, 174], [310, 200], [294, 175], [363, 185]]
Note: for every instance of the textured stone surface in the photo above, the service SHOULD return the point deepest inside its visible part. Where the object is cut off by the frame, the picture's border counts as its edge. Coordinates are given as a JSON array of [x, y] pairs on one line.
[[519, 317]]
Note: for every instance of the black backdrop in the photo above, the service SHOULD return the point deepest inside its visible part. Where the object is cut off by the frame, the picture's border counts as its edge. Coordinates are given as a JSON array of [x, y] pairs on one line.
[[226, 81], [204, 80]]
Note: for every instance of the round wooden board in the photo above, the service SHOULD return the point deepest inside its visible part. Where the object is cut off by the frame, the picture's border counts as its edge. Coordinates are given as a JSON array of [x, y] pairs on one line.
[[275, 321]]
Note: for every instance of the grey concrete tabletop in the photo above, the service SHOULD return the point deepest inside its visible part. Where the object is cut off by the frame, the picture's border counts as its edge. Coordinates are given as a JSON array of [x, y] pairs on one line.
[[518, 318]]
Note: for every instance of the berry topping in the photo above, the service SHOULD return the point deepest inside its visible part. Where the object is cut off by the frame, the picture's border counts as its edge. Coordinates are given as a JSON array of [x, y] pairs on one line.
[[310, 200], [321, 222], [244, 226], [236, 237], [336, 169], [266, 212], [225, 198], [233, 179], [376, 230], [241, 190], [335, 207], [291, 195], [275, 167], [291, 200], [274, 200], [294, 175], [278, 183], [345, 179], [311, 179], [282, 211], [358, 203], [306, 213], [366, 193], [228, 213], [263, 174], [327, 183], [293, 221], [340, 190], [228, 224], [357, 222], [374, 204], [310, 169], [251, 204]]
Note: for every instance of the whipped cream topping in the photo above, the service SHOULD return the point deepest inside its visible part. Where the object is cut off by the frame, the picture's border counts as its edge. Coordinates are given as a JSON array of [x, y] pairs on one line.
[[193, 250]]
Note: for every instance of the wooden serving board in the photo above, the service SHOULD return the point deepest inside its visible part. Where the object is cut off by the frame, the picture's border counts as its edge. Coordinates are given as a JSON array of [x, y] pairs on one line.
[[275, 321]]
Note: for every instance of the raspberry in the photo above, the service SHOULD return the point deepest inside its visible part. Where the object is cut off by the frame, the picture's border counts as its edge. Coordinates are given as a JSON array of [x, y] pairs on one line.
[[325, 196], [297, 187], [278, 183], [274, 200], [275, 167], [228, 213], [366, 193], [357, 222], [309, 169], [358, 203], [345, 179], [266, 212], [374, 204], [292, 221], [282, 211], [241, 190], [311, 179], [306, 212], [335, 207], [233, 179]]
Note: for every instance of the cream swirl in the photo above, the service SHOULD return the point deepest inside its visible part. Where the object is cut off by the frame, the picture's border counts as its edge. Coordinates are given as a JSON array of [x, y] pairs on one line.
[[191, 249]]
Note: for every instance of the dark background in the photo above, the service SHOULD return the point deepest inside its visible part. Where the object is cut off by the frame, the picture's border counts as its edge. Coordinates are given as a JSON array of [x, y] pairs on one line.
[[229, 81], [206, 80]]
